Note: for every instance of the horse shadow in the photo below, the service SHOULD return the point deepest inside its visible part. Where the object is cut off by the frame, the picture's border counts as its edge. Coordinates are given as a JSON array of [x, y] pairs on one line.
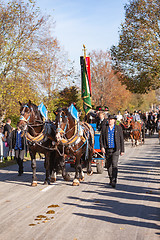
[[10, 173]]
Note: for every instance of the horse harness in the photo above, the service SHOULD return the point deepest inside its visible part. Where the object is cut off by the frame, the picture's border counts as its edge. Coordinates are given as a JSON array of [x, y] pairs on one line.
[[77, 136], [135, 130], [41, 137]]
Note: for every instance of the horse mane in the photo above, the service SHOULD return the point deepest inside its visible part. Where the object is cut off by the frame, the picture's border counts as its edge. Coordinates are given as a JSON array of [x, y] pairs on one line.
[[35, 109], [67, 112]]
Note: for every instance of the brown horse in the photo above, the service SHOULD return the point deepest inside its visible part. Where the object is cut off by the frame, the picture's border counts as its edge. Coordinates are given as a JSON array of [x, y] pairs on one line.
[[39, 136], [75, 139], [135, 132], [126, 129]]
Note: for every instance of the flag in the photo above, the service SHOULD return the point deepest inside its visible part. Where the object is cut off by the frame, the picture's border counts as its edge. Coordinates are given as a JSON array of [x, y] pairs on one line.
[[85, 86], [73, 112], [43, 111], [88, 72]]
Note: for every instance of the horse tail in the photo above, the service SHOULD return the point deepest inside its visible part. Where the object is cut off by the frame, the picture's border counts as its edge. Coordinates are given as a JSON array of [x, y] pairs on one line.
[[90, 130]]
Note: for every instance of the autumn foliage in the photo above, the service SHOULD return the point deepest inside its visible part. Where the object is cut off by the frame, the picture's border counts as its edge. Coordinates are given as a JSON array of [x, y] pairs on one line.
[[106, 88], [137, 54]]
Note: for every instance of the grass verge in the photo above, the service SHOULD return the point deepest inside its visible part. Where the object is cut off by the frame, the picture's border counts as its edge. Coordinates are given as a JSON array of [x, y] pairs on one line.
[[10, 161]]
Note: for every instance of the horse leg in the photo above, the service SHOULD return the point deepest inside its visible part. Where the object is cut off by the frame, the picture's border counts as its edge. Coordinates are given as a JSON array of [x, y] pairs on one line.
[[53, 162], [89, 169], [143, 135], [65, 174], [33, 166], [132, 139], [79, 166], [81, 173], [53, 176], [78, 172], [52, 166], [47, 165]]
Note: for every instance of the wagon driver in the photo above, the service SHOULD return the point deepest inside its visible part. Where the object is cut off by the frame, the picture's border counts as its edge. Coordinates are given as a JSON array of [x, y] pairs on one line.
[[112, 144]]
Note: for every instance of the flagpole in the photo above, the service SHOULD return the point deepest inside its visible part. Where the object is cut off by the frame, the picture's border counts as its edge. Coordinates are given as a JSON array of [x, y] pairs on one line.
[[84, 49]]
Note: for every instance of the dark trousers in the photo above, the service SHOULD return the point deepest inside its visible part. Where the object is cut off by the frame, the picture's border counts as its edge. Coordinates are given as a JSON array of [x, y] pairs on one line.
[[112, 164], [19, 156]]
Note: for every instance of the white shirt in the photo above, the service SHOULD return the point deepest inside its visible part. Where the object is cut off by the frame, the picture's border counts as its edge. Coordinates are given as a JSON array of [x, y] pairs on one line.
[[1, 144]]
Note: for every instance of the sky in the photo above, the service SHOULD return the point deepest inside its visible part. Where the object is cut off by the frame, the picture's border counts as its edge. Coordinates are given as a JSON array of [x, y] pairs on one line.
[[90, 22]]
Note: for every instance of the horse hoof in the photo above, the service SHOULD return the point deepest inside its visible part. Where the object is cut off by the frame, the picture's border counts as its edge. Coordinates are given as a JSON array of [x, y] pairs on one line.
[[46, 183], [75, 182], [67, 178], [81, 179], [53, 180], [90, 174], [34, 184]]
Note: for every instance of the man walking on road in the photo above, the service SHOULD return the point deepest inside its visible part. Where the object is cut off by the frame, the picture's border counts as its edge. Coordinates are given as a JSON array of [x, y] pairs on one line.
[[112, 144]]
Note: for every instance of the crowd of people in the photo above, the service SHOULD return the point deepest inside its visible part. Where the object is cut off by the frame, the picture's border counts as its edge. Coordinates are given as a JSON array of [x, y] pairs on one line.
[[99, 115], [12, 144]]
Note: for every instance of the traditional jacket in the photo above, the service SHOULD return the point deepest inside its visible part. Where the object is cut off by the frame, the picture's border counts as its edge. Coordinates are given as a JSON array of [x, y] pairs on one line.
[[118, 138], [13, 138]]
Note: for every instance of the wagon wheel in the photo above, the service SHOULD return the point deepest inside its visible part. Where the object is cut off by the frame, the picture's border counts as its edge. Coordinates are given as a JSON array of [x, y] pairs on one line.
[[100, 167]]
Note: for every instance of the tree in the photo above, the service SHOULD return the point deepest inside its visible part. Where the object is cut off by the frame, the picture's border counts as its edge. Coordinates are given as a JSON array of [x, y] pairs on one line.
[[51, 68], [137, 55], [32, 63], [19, 31], [106, 88], [63, 98]]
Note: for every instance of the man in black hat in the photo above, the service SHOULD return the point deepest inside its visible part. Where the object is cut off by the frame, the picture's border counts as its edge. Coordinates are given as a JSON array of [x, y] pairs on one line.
[[112, 144]]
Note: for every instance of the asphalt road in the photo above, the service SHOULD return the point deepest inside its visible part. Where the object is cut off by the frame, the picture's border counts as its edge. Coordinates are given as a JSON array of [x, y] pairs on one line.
[[91, 211]]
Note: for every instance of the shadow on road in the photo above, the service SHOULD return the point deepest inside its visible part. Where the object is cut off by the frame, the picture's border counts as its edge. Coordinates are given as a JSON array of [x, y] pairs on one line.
[[10, 174], [130, 199]]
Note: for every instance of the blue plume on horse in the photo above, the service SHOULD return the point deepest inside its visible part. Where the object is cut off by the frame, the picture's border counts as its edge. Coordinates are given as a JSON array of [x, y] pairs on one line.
[[43, 110], [73, 111]]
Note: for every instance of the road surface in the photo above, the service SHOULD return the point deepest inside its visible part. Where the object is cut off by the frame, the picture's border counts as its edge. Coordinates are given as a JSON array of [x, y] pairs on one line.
[[91, 211]]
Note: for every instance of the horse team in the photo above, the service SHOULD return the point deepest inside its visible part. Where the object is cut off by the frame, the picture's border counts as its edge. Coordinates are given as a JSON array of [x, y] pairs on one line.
[[66, 136]]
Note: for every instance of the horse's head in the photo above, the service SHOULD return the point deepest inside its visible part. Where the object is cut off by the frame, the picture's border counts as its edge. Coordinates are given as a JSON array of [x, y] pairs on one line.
[[61, 122], [50, 131], [29, 114], [25, 114], [129, 122]]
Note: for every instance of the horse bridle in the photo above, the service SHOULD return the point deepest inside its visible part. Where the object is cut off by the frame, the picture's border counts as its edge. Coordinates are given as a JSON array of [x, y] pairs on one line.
[[27, 120], [59, 129], [22, 118]]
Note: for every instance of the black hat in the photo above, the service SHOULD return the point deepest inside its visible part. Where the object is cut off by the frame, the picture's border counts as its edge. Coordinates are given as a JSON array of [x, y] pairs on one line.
[[98, 108], [106, 109], [112, 117]]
